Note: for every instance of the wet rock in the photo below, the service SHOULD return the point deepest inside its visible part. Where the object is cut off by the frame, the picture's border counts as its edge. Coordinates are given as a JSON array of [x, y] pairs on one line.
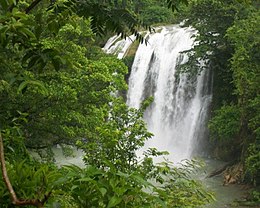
[[233, 174]]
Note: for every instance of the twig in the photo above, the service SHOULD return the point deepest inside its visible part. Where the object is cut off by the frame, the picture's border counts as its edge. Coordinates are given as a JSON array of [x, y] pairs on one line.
[[32, 5]]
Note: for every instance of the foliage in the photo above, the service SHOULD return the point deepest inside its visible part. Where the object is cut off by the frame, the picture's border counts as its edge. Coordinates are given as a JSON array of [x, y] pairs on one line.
[[252, 163], [107, 188], [30, 180], [245, 65], [228, 44], [156, 14], [225, 132], [117, 140], [252, 200], [225, 125], [55, 107], [211, 19], [256, 196], [113, 188], [177, 188], [153, 11], [161, 185]]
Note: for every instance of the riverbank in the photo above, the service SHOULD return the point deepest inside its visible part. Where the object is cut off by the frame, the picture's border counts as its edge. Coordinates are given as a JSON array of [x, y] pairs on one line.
[[227, 196]]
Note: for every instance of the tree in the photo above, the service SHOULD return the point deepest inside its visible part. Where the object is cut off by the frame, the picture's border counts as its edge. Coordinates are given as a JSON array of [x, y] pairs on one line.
[[44, 73], [246, 74]]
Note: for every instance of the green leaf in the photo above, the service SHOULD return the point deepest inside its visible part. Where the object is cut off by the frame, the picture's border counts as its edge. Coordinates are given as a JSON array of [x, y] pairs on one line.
[[142, 181], [12, 2], [26, 31], [115, 200], [33, 61], [103, 191], [86, 179], [24, 84], [123, 174], [53, 26], [162, 203]]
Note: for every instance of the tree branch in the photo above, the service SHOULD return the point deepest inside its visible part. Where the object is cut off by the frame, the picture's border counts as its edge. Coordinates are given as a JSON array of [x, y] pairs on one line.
[[17, 202], [32, 5], [4, 171]]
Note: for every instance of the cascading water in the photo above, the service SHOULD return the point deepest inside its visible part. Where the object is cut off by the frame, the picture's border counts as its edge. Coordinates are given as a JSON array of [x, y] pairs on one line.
[[118, 47], [178, 113]]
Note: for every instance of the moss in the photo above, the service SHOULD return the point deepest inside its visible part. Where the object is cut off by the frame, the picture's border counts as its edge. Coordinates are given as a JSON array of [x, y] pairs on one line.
[[132, 49]]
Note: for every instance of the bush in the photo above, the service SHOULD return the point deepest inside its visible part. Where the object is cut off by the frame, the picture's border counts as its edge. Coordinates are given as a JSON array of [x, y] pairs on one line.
[[226, 123], [157, 14]]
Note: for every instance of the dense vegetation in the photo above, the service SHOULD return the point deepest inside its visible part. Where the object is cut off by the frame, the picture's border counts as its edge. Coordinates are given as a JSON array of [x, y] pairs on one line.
[[58, 87], [228, 41]]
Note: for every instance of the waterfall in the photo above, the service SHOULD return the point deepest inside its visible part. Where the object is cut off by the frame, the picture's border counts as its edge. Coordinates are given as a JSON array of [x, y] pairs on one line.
[[115, 46], [177, 117]]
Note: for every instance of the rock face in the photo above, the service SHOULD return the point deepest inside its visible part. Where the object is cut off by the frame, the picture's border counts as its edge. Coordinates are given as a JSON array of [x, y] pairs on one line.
[[233, 174]]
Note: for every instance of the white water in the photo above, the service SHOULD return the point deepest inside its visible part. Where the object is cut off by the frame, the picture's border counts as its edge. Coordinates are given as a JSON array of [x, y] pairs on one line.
[[178, 113], [115, 46]]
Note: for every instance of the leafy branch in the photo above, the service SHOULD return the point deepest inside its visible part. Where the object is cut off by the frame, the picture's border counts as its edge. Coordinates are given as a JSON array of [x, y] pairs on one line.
[[17, 202], [32, 5]]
